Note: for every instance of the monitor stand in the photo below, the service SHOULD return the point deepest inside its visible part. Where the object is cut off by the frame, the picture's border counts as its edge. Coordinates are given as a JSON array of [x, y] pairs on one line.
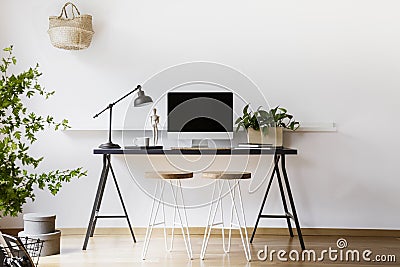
[[199, 143]]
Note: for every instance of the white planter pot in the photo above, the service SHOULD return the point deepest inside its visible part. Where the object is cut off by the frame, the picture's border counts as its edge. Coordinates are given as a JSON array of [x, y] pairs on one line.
[[273, 137], [39, 223]]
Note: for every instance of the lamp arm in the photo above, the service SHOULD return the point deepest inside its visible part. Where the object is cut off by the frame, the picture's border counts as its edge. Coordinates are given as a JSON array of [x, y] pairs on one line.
[[112, 104], [134, 90]]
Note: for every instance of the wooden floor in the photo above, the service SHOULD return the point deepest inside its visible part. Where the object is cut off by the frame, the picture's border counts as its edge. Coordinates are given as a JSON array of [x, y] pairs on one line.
[[119, 250]]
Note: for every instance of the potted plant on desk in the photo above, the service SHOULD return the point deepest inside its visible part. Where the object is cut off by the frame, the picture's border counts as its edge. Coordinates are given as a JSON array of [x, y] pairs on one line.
[[266, 127]]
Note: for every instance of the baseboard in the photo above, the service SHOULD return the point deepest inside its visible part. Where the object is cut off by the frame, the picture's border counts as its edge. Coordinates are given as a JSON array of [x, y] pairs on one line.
[[260, 231]]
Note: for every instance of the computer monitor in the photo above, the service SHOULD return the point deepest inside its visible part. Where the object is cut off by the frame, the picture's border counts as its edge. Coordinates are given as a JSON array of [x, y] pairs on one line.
[[200, 115]]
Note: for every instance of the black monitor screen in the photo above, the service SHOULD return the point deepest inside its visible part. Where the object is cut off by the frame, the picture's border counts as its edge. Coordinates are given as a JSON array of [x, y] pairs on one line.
[[200, 112]]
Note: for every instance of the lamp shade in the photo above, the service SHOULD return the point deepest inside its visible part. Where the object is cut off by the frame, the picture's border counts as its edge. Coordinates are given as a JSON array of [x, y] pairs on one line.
[[142, 99]]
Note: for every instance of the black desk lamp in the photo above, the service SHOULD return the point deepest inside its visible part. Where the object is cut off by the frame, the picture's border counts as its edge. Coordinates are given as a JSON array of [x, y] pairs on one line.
[[140, 101]]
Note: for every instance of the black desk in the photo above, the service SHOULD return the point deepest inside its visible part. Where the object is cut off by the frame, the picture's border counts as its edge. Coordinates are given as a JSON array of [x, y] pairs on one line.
[[278, 153]]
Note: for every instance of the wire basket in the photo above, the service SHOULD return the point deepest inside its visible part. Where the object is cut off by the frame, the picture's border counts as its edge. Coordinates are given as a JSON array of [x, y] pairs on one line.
[[21, 251]]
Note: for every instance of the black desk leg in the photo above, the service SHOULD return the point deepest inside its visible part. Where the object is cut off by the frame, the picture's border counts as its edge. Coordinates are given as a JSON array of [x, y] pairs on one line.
[[97, 201], [108, 167], [99, 196], [296, 220], [285, 208], [276, 160], [123, 205]]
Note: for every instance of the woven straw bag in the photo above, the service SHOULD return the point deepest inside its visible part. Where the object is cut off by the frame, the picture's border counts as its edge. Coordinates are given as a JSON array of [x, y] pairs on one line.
[[70, 33]]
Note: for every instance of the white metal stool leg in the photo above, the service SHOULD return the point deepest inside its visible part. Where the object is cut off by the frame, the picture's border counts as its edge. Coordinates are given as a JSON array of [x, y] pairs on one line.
[[169, 249], [234, 212], [186, 222], [208, 223], [245, 238], [211, 217], [244, 223], [183, 221], [176, 193], [227, 250], [153, 216]]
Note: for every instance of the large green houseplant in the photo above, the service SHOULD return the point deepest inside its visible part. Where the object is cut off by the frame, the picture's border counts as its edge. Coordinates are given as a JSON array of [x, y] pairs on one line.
[[266, 127], [18, 130]]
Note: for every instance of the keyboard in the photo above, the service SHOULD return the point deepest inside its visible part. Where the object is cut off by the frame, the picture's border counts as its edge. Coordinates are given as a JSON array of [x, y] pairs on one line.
[[201, 148]]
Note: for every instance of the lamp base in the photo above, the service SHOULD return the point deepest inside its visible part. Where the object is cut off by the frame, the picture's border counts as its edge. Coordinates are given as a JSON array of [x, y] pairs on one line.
[[109, 145]]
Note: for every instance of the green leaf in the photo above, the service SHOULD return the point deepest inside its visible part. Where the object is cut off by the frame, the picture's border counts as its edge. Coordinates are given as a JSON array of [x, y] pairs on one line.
[[17, 134], [245, 109], [30, 93], [283, 110]]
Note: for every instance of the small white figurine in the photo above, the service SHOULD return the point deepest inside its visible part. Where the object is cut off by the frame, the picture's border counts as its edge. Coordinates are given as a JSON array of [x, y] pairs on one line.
[[155, 120]]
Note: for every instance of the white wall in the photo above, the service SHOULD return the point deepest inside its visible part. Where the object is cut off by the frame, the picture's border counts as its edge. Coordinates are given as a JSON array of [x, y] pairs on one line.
[[324, 60]]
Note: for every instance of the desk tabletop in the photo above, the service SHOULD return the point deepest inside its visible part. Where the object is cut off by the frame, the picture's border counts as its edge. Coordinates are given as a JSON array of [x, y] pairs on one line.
[[169, 151]]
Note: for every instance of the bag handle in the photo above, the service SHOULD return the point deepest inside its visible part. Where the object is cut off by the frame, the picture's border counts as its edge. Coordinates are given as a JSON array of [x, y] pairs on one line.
[[73, 9]]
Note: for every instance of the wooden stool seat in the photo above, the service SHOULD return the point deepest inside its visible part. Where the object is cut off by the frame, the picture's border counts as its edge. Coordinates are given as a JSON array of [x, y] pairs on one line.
[[169, 175], [229, 175]]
